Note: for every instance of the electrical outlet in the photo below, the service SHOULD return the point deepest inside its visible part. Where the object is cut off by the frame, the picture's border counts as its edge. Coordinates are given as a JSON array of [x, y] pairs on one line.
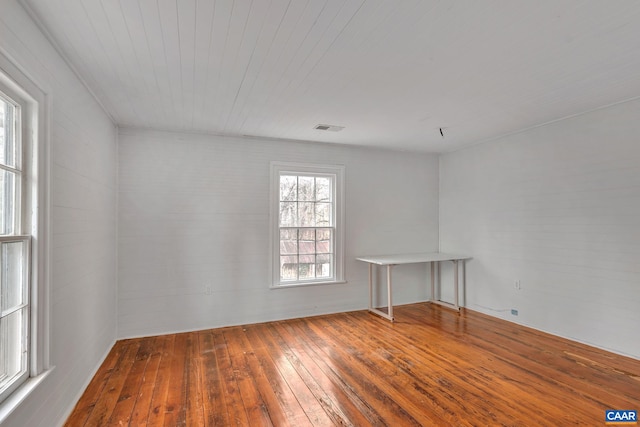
[[517, 285], [208, 290], [514, 312]]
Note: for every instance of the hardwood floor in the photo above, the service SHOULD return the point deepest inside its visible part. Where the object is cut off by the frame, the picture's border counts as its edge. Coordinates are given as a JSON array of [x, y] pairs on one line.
[[431, 367]]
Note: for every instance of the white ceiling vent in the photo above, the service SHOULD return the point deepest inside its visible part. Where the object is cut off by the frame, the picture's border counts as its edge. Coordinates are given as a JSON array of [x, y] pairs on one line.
[[330, 128]]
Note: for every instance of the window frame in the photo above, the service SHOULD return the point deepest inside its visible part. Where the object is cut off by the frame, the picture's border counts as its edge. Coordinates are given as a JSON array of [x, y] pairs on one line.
[[34, 104], [306, 169]]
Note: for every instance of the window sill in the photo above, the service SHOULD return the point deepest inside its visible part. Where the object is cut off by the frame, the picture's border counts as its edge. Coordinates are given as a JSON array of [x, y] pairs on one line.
[[302, 285], [20, 395]]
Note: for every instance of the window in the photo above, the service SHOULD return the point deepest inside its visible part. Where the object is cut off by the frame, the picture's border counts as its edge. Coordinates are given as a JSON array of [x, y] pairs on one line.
[[14, 251], [23, 313], [307, 218]]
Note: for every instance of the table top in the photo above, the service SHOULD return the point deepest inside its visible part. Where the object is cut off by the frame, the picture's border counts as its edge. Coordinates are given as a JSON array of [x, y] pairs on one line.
[[413, 258]]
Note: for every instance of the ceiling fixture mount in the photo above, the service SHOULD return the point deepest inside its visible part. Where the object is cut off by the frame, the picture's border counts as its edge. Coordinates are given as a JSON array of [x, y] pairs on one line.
[[330, 128]]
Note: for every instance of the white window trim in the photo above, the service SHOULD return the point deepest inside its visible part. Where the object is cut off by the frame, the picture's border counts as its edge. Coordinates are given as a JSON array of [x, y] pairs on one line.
[[274, 212], [35, 104]]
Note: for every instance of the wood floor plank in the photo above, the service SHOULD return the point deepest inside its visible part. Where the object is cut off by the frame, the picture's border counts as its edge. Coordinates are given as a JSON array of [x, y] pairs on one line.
[[549, 388], [228, 381], [109, 398], [332, 370], [142, 408], [432, 366], [446, 370], [294, 396], [282, 405], [270, 405], [121, 414], [94, 390], [193, 398], [377, 393], [319, 406], [214, 405], [550, 377], [574, 360], [409, 407], [395, 356], [345, 405], [254, 405], [163, 379], [175, 403], [512, 380]]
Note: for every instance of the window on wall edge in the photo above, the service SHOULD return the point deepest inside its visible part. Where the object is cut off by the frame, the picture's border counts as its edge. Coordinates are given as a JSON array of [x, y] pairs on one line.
[[24, 268]]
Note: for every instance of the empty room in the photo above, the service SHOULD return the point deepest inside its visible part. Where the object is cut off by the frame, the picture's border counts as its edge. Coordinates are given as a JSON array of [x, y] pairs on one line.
[[319, 212]]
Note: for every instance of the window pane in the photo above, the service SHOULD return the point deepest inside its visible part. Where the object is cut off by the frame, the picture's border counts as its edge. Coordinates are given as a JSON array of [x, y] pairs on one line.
[[3, 119], [13, 361], [324, 233], [12, 283], [323, 214], [289, 242], [306, 214], [307, 242], [307, 267], [323, 266], [306, 234], [323, 189], [7, 202], [288, 188], [306, 188], [7, 133], [324, 241], [289, 267], [288, 214]]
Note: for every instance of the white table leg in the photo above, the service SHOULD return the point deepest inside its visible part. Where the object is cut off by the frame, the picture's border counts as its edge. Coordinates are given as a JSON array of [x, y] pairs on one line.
[[389, 314], [438, 266], [389, 300], [370, 286], [455, 305], [433, 280], [455, 283]]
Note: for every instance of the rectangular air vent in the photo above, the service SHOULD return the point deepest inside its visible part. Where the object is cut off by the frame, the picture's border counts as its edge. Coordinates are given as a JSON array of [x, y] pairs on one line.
[[330, 128]]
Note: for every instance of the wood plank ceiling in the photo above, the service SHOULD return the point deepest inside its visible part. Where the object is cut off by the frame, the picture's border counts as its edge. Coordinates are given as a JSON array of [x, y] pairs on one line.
[[391, 72]]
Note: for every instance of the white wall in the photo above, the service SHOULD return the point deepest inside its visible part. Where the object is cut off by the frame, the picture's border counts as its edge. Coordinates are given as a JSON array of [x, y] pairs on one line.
[[558, 208], [194, 210], [83, 223]]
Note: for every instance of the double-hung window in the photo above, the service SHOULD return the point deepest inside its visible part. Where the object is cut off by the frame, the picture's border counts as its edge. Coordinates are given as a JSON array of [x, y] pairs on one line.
[[23, 239], [14, 251], [307, 224]]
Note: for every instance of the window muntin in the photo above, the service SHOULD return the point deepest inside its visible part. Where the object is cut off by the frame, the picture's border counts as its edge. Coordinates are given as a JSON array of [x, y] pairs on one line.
[[307, 238]]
